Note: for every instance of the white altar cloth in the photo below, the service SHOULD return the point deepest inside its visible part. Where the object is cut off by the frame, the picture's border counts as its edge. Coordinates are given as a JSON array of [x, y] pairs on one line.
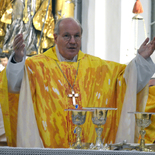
[[49, 151]]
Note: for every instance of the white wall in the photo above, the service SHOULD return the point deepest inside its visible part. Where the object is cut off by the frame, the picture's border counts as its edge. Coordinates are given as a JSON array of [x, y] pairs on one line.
[[127, 51], [88, 24], [101, 28], [109, 29], [128, 29]]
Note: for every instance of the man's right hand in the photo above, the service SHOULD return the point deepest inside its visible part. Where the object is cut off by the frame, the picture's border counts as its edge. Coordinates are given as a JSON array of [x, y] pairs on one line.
[[18, 46]]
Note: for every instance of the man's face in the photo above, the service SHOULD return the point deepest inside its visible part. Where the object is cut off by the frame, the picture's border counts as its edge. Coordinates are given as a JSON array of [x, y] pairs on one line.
[[4, 61], [152, 82], [69, 38]]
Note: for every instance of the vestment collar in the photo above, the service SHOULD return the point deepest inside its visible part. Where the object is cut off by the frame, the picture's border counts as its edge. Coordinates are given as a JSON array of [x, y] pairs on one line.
[[52, 54]]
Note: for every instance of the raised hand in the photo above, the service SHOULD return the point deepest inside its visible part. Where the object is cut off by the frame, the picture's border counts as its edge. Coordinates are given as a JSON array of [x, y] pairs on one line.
[[18, 46], [146, 49]]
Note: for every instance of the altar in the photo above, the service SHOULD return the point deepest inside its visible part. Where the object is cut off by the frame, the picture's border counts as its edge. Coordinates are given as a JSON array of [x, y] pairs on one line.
[[62, 151]]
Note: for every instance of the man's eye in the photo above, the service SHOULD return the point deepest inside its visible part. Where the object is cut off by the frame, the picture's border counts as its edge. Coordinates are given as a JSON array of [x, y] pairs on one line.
[[66, 35], [77, 36]]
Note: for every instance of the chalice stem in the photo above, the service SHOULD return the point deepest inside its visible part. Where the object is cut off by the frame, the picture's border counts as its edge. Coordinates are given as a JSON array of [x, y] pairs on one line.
[[98, 138], [78, 138], [142, 140]]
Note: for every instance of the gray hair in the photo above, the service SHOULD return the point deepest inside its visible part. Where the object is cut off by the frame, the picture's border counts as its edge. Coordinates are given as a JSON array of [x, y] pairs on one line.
[[56, 29]]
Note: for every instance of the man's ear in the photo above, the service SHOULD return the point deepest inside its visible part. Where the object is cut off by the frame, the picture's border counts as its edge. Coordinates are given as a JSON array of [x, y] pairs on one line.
[[55, 38]]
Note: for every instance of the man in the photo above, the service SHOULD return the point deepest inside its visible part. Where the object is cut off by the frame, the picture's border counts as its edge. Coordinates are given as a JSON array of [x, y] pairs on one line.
[[4, 57], [152, 82], [3, 60], [63, 71]]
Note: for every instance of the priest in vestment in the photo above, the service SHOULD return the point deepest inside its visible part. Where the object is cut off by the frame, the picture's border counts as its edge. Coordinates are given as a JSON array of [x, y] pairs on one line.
[[44, 82]]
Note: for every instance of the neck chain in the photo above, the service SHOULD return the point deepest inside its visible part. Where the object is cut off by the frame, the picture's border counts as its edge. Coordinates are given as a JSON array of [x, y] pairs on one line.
[[73, 95]]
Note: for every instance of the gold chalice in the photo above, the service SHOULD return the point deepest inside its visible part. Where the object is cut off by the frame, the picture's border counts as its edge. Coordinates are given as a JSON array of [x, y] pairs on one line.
[[78, 118], [143, 120], [99, 117]]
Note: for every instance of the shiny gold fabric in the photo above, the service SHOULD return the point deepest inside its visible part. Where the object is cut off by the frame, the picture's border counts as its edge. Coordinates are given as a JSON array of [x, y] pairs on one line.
[[3, 6], [7, 15], [45, 18], [19, 26], [28, 17], [64, 8]]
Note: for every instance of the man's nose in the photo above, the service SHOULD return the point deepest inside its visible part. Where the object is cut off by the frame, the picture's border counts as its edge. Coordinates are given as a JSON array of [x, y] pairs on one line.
[[72, 40]]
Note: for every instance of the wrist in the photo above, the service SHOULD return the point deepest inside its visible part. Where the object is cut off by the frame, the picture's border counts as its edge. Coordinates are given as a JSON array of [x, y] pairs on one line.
[[143, 55], [13, 60], [16, 60]]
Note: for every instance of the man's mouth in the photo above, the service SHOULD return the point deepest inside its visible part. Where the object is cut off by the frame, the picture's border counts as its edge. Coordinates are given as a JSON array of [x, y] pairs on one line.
[[71, 47]]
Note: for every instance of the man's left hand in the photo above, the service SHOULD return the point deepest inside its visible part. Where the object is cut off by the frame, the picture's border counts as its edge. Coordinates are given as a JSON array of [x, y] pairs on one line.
[[146, 49]]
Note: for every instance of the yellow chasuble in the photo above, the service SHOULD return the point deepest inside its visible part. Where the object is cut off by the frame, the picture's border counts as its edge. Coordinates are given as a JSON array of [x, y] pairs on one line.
[[99, 83], [9, 105], [150, 107]]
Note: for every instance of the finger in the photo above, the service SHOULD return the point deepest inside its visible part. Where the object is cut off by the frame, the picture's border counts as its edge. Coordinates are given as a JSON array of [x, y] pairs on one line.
[[19, 50], [18, 38], [152, 43], [145, 41], [16, 45], [19, 43], [19, 53], [18, 35]]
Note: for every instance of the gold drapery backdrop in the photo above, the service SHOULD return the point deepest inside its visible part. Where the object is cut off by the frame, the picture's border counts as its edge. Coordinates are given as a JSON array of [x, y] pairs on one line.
[[35, 19]]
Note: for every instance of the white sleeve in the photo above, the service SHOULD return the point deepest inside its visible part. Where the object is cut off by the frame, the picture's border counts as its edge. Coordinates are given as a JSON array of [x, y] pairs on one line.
[[15, 73], [137, 75], [145, 70]]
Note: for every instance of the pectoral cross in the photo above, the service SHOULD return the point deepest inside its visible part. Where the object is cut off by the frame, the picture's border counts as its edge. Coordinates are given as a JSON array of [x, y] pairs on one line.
[[73, 95]]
